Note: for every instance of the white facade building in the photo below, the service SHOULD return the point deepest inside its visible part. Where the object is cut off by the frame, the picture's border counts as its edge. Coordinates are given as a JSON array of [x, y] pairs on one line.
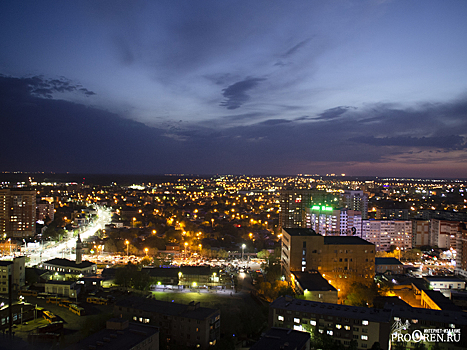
[[386, 233]]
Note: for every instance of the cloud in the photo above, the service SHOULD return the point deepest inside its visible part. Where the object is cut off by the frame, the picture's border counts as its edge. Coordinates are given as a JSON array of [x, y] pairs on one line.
[[443, 142], [334, 113], [42, 87], [295, 48], [236, 94]]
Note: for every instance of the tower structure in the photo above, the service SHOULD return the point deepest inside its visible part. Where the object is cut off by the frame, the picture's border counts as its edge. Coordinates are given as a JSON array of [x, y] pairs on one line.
[[79, 250]]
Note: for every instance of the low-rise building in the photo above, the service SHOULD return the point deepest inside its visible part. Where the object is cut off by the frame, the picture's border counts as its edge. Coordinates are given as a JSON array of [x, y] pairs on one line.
[[389, 265], [62, 288], [314, 287], [181, 325], [282, 338], [120, 334]]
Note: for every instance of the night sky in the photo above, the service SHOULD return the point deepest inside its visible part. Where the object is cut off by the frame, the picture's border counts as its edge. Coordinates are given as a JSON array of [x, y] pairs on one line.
[[241, 87]]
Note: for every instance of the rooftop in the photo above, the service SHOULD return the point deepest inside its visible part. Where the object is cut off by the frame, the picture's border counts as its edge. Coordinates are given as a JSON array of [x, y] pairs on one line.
[[354, 312], [387, 261], [68, 263], [117, 339], [313, 281], [167, 308], [281, 338], [346, 240], [301, 232]]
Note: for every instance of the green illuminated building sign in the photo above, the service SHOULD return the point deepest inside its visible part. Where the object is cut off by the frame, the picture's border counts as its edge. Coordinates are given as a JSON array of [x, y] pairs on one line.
[[322, 208]]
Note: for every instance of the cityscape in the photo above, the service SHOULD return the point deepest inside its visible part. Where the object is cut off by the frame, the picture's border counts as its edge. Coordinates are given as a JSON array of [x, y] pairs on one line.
[[230, 262], [233, 175]]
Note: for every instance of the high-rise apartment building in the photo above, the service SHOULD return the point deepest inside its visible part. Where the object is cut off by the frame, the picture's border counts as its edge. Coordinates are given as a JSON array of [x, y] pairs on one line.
[[443, 233], [461, 249], [44, 210], [17, 213], [386, 233], [295, 202], [334, 222], [356, 200], [341, 260], [420, 233]]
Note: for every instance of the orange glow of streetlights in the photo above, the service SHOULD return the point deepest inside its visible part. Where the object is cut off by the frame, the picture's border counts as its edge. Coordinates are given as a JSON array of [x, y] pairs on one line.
[[127, 246], [146, 251]]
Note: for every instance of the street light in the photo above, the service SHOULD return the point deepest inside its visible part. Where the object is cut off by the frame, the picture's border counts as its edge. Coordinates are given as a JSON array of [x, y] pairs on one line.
[[146, 251], [243, 249], [186, 244], [127, 246]]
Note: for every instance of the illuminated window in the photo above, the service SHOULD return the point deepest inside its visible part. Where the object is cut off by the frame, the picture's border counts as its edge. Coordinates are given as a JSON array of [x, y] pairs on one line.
[[364, 337], [329, 332], [347, 328], [313, 323], [338, 326], [365, 322], [296, 320], [280, 318]]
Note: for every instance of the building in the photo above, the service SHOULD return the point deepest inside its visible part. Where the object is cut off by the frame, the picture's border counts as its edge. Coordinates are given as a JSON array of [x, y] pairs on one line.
[[420, 233], [356, 200], [443, 233], [391, 265], [71, 268], [386, 233], [461, 249], [293, 205], [440, 283], [44, 210], [392, 214], [180, 325], [16, 269], [120, 334], [344, 323], [17, 213], [283, 338], [367, 326], [333, 222], [342, 260], [314, 287], [67, 289]]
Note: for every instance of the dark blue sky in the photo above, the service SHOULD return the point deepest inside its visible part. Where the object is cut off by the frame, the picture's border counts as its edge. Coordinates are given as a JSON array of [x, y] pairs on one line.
[[259, 87]]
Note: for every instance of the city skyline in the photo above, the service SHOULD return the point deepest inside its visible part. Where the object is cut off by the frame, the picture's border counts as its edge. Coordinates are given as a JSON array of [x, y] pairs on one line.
[[375, 88]]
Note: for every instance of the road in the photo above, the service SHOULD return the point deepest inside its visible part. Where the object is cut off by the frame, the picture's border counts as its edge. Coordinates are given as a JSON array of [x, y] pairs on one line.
[[64, 248]]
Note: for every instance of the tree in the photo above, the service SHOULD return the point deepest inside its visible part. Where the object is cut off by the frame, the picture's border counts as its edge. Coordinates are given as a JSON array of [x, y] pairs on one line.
[[362, 294], [264, 254]]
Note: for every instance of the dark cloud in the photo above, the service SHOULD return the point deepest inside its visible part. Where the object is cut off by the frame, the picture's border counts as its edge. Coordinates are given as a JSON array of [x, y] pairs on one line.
[[276, 121], [42, 87], [295, 48], [86, 139], [334, 113], [236, 94]]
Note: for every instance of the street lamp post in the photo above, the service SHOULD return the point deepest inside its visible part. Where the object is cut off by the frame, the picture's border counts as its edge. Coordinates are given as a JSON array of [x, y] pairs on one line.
[[127, 246], [146, 251], [243, 249], [186, 246]]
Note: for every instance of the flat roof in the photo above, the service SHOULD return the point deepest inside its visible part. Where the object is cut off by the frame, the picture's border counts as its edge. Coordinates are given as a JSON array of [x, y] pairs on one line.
[[281, 338], [346, 311], [387, 261], [301, 232], [120, 339], [167, 308], [443, 279], [313, 281], [345, 240]]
